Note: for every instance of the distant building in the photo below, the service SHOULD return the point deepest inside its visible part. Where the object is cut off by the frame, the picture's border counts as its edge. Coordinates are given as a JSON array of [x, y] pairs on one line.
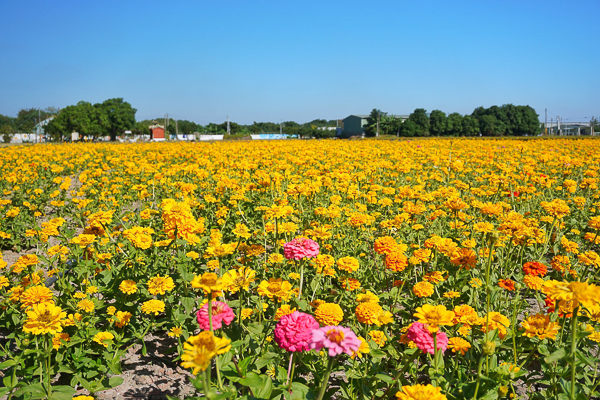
[[569, 128], [157, 133], [354, 125]]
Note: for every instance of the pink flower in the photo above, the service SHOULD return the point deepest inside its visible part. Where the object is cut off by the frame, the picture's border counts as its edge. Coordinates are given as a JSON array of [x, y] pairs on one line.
[[300, 248], [419, 334], [336, 338], [221, 312], [293, 331]]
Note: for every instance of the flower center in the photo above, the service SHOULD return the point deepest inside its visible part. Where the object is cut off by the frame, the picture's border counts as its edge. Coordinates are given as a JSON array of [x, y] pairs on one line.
[[274, 287], [335, 335], [45, 317]]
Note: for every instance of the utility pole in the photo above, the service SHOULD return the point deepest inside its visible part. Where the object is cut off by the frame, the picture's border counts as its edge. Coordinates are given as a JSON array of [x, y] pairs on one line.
[[592, 126], [228, 130], [280, 127], [546, 123], [378, 118], [176, 130]]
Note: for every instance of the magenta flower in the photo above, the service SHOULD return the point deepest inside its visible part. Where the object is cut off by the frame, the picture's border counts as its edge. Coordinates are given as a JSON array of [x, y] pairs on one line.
[[221, 312], [300, 248], [336, 339], [293, 331], [421, 336]]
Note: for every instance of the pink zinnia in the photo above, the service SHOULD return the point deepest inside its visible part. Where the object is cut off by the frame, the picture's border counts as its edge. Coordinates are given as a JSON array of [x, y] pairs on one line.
[[221, 312], [419, 334], [335, 338], [293, 331], [300, 248]]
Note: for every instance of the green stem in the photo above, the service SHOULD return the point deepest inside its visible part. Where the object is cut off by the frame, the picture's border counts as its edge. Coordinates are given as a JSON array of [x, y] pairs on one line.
[[573, 351], [301, 279], [325, 381], [479, 365]]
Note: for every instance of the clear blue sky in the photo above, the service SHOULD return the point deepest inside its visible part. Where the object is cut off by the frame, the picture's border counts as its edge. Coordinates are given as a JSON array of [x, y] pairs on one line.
[[301, 60]]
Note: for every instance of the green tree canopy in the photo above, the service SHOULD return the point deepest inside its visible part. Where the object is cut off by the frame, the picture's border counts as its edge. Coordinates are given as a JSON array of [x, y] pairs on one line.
[[437, 123]]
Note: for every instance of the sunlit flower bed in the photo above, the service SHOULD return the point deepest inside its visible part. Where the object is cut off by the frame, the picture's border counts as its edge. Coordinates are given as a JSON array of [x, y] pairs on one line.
[[432, 269]]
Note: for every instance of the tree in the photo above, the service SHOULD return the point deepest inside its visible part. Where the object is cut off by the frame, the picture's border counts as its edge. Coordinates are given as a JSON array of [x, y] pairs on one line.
[[470, 126], [454, 124], [83, 118], [6, 133], [437, 123], [376, 116], [119, 114], [409, 129], [489, 125], [421, 120]]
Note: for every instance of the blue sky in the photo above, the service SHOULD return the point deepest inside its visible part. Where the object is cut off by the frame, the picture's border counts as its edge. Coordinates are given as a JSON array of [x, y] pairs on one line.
[[301, 60]]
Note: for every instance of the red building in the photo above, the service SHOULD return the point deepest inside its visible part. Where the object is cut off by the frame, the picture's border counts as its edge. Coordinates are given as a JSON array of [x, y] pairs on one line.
[[157, 132]]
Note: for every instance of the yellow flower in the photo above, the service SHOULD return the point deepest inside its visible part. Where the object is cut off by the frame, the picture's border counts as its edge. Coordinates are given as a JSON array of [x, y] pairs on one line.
[[579, 292], [209, 282], [434, 316], [111, 310], [44, 318], [83, 240], [199, 350], [235, 280], [82, 398], [423, 289], [378, 337], [86, 305], [275, 288], [103, 337], [329, 314], [458, 345], [368, 313], [153, 306], [281, 311], [367, 296], [348, 264], [59, 338], [495, 320], [122, 318], [247, 313], [192, 254], [128, 287], [451, 294], [420, 392], [175, 331], [139, 236], [434, 277], [533, 282], [539, 325], [362, 349], [35, 295], [160, 285], [4, 282]]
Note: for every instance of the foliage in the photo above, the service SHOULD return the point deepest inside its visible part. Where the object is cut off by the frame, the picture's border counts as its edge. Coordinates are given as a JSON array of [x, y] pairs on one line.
[[109, 118]]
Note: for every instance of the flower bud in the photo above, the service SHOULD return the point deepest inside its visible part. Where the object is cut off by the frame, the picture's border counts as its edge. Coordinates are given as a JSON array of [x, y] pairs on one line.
[[502, 391], [489, 348]]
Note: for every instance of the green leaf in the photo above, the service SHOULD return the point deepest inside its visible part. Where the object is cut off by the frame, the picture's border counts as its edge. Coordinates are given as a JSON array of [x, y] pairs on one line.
[[243, 365], [385, 378], [115, 381], [7, 363], [557, 355], [256, 328], [265, 391], [252, 380], [188, 304], [377, 353]]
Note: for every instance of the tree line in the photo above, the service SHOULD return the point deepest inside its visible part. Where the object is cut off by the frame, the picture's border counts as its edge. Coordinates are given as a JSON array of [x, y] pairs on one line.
[[507, 120]]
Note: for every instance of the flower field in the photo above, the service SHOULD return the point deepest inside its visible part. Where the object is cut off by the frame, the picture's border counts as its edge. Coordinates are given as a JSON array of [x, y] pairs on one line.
[[429, 269]]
